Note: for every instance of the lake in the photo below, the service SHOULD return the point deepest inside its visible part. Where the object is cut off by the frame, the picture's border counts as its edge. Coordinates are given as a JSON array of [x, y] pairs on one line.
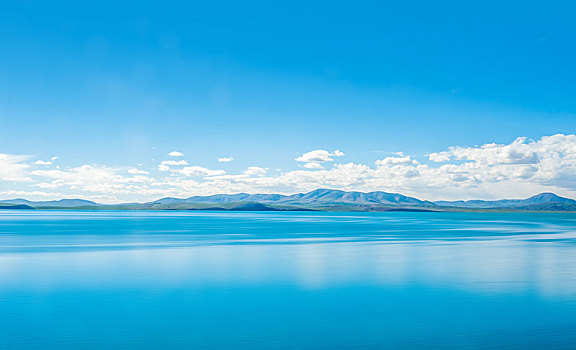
[[287, 280]]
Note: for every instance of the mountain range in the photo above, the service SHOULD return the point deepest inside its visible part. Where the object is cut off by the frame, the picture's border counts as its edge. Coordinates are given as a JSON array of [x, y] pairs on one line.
[[62, 203], [321, 199]]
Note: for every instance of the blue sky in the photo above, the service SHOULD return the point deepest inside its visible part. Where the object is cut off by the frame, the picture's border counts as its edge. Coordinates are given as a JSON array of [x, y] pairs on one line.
[[118, 86]]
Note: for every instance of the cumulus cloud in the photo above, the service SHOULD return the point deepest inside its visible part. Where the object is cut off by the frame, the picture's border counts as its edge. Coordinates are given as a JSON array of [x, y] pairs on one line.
[[518, 152], [225, 159], [199, 171], [45, 196], [439, 157], [94, 179], [254, 170], [165, 165], [400, 160], [46, 162], [313, 166], [13, 167], [319, 156], [31, 194], [174, 162], [175, 154], [135, 171], [517, 169]]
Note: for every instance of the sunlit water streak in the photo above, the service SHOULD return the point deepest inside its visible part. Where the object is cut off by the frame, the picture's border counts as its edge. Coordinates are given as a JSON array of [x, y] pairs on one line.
[[152, 280]]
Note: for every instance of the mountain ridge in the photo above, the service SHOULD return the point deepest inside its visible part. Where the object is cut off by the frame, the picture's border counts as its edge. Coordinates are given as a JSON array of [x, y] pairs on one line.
[[319, 199], [72, 202], [541, 198], [315, 196]]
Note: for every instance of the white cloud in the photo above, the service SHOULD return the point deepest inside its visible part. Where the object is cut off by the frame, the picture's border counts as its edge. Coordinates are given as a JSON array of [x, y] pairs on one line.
[[199, 171], [400, 160], [135, 171], [313, 166], [31, 194], [439, 157], [46, 162], [517, 169], [101, 180], [14, 167], [254, 170], [319, 156], [225, 159], [518, 152], [175, 154], [174, 162], [44, 196]]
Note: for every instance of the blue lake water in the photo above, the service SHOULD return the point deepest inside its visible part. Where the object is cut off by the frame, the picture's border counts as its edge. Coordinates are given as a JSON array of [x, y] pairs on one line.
[[220, 280]]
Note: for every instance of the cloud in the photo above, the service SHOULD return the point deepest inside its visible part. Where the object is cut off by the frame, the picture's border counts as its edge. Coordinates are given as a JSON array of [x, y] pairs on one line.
[[313, 166], [319, 156], [46, 162], [174, 162], [93, 179], [439, 157], [225, 159], [14, 167], [517, 169], [135, 171], [199, 171], [254, 170], [518, 152], [401, 160], [31, 194], [43, 196], [165, 165], [175, 154]]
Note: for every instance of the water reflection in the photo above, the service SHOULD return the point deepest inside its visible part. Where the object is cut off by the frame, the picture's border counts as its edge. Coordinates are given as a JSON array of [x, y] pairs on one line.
[[158, 280], [478, 252]]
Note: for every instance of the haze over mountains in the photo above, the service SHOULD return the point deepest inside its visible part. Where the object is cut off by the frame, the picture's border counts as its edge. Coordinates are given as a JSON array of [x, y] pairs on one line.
[[64, 203], [321, 199], [320, 196]]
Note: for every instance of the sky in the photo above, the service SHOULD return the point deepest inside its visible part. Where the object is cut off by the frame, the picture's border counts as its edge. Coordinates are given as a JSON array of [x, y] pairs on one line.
[[138, 100]]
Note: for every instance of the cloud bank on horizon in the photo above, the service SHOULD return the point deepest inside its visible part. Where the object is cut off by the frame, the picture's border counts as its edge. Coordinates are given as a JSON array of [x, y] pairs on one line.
[[518, 169]]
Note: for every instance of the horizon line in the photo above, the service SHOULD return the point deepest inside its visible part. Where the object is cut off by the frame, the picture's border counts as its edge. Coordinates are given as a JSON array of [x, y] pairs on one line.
[[285, 195]]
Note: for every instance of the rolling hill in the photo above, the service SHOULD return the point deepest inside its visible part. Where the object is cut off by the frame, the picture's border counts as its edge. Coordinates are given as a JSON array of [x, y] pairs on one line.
[[540, 200], [320, 199]]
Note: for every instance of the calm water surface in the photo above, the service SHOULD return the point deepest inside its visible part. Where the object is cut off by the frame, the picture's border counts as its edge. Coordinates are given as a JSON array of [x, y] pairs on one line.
[[217, 280]]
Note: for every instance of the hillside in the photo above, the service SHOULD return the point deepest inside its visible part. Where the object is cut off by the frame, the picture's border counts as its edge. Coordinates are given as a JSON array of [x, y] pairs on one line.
[[320, 199]]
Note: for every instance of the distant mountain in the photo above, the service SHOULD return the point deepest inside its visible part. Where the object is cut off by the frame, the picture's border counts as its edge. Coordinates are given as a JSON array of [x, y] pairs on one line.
[[537, 200], [15, 206], [547, 197], [248, 206], [479, 204], [325, 196], [320, 196], [326, 199], [553, 206], [321, 199], [224, 198], [62, 203]]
